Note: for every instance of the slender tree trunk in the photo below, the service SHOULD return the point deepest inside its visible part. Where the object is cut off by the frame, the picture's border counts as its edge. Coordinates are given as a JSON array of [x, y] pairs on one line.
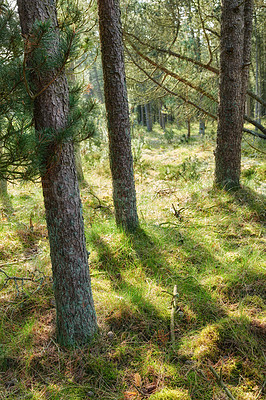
[[148, 117], [98, 86], [202, 127], [78, 161], [188, 129], [236, 24], [3, 188], [116, 102], [76, 318], [257, 73]]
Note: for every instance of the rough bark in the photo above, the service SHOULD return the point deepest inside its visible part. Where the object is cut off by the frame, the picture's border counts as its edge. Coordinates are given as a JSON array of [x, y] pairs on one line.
[[116, 102], [236, 26], [76, 318]]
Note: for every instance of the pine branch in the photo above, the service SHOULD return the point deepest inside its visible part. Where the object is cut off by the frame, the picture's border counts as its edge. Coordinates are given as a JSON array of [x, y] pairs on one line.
[[171, 73], [192, 60], [174, 54]]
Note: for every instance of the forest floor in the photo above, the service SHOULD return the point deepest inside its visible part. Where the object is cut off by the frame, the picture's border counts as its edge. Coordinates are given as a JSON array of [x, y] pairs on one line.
[[209, 244]]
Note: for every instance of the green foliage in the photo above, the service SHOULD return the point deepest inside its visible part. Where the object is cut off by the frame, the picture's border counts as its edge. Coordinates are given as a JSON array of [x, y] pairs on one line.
[[190, 170], [23, 156], [170, 394]]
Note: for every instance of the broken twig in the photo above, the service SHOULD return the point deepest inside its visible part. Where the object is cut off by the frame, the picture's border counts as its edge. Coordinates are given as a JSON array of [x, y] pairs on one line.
[[173, 310], [219, 381]]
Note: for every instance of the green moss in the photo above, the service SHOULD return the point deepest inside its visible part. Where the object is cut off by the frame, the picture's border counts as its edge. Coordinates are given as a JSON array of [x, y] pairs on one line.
[[171, 394]]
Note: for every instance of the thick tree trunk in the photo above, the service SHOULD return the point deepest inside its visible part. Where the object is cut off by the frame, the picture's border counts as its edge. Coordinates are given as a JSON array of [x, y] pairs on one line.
[[76, 318], [116, 102], [236, 24]]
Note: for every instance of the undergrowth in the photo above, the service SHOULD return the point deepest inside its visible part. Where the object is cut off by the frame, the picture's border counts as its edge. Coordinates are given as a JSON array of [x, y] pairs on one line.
[[211, 244]]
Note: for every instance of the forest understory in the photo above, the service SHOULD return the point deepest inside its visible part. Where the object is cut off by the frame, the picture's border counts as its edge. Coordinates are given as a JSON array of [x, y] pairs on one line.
[[210, 244]]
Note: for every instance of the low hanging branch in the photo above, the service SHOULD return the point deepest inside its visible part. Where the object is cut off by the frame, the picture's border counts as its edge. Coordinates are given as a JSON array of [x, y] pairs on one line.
[[255, 123], [168, 72], [189, 59], [173, 74], [174, 54], [208, 113], [169, 90]]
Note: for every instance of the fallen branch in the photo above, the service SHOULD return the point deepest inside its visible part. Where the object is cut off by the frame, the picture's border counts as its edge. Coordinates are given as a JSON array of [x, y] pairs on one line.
[[22, 280], [219, 381]]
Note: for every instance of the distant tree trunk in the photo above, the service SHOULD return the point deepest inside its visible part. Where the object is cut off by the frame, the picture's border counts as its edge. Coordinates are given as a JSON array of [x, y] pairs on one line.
[[235, 47], [78, 163], [142, 115], [116, 102], [202, 127], [3, 188], [188, 129], [98, 86], [76, 318], [148, 117], [257, 73]]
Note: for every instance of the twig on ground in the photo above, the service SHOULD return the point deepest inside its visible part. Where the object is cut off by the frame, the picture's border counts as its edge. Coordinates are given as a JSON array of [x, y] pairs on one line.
[[219, 381], [99, 206], [177, 212], [173, 310], [261, 389], [22, 280]]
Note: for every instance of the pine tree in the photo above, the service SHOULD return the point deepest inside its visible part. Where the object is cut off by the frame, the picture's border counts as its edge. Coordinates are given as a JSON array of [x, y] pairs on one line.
[[116, 102], [47, 86], [236, 28]]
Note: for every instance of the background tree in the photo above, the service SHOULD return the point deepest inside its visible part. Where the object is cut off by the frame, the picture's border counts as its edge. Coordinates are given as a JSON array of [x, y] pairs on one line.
[[116, 102], [76, 318]]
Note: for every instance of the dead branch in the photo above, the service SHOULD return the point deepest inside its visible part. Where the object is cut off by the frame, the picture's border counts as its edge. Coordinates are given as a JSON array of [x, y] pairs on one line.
[[173, 310], [19, 281], [219, 381]]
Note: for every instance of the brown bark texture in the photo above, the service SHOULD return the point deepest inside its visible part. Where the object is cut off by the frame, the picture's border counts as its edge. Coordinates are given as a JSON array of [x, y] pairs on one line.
[[76, 318], [235, 48], [116, 102]]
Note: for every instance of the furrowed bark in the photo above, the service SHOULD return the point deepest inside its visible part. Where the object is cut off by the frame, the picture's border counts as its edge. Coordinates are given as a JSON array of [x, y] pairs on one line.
[[116, 102], [76, 318], [236, 28]]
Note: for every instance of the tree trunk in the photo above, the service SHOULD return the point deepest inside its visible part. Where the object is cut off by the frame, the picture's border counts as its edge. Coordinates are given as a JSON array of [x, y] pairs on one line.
[[3, 188], [98, 86], [188, 129], [202, 127], [236, 25], [76, 318], [116, 102], [148, 117], [78, 163], [257, 74]]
